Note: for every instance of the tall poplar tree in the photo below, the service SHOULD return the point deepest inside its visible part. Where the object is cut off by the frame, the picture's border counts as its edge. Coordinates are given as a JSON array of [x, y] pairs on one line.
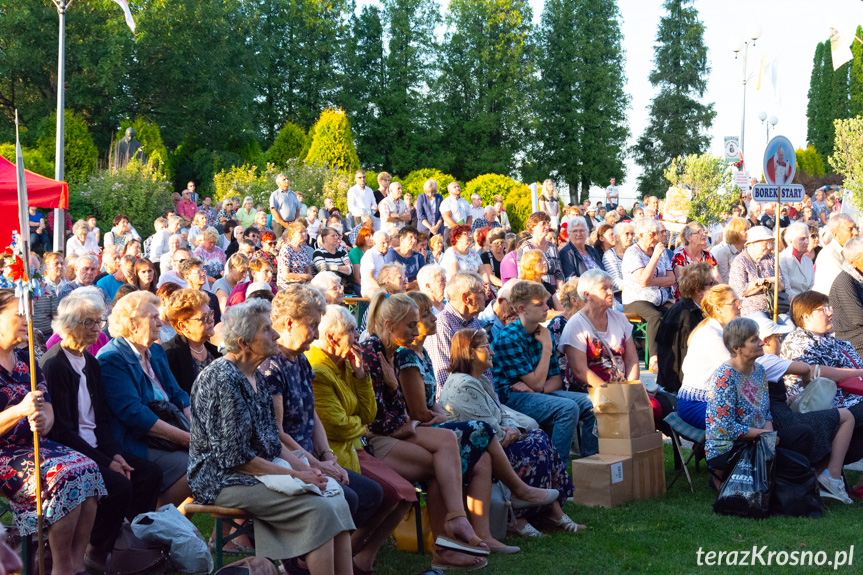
[[581, 104], [487, 67], [679, 120], [855, 82], [813, 126]]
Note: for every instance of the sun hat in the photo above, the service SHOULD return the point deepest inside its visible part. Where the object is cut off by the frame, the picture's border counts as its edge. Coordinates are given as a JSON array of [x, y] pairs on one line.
[[758, 234], [259, 286], [767, 327]]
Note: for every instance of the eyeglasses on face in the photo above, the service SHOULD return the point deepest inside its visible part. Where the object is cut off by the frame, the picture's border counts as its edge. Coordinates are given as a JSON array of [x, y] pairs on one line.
[[90, 323], [205, 318]]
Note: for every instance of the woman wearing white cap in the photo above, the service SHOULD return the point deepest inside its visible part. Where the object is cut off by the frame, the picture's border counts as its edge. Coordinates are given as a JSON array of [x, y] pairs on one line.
[[752, 272]]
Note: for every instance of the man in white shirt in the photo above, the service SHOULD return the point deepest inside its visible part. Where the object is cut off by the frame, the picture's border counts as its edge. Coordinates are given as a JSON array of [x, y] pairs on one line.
[[361, 198], [372, 262], [829, 262], [394, 212], [612, 195], [454, 209], [476, 209]]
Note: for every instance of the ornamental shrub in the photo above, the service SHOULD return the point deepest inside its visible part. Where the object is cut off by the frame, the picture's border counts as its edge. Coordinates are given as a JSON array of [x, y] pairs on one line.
[[79, 151], [810, 161], [487, 185], [332, 143], [150, 136], [140, 191], [314, 182], [289, 144], [33, 159]]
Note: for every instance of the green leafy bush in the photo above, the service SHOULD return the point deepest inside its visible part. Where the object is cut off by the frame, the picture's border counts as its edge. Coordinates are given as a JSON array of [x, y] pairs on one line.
[[150, 137], [332, 143], [33, 159], [488, 185], [810, 161], [709, 178], [847, 158], [289, 144], [79, 151], [140, 191]]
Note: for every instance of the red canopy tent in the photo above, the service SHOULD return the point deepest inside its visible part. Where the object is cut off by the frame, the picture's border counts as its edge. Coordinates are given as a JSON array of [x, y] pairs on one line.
[[42, 192]]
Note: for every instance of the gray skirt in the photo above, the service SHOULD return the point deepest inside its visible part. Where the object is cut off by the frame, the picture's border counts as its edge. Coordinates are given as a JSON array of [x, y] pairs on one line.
[[174, 465], [288, 525]]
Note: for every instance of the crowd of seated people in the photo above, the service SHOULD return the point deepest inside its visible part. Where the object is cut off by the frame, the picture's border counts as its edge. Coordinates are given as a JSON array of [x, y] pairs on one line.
[[184, 367]]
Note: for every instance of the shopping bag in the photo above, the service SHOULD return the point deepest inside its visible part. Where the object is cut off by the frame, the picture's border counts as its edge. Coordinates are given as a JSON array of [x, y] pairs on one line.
[[189, 553], [795, 486], [746, 489]]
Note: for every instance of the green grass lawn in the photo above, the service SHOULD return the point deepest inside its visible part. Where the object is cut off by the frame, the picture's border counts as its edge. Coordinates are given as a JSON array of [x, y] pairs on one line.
[[661, 535]]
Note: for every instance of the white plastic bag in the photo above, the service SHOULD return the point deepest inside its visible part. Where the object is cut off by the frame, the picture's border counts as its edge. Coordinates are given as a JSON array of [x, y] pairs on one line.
[[167, 525]]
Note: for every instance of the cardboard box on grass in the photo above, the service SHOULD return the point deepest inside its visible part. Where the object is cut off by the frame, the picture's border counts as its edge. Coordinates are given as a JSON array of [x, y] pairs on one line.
[[603, 480], [622, 411], [648, 463]]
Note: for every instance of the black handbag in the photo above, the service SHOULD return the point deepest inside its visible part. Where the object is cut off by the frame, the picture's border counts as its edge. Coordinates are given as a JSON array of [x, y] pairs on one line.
[[170, 414], [784, 304]]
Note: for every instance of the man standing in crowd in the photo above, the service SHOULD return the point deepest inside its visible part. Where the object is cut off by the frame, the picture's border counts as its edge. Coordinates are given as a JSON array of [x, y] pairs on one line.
[[502, 218], [612, 195], [394, 212], [186, 208], [361, 198], [454, 209], [476, 211], [284, 205]]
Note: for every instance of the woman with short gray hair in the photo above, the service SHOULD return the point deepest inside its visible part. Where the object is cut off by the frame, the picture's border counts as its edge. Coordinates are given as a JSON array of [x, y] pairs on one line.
[[738, 407], [82, 421], [81, 242], [432, 282], [235, 440], [143, 394], [330, 285], [796, 266], [612, 260]]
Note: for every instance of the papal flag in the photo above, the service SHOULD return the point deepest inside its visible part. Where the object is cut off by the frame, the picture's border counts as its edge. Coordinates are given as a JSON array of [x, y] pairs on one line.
[[768, 78], [124, 4], [840, 47]]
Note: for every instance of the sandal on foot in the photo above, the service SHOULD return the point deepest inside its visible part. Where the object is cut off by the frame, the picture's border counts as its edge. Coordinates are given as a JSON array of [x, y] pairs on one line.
[[475, 546], [237, 549], [527, 531], [551, 496], [505, 550], [471, 564], [567, 524]]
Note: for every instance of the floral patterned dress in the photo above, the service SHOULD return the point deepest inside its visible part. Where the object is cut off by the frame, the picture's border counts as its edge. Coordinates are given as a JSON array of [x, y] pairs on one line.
[[291, 261], [68, 477], [473, 436], [213, 261], [681, 258]]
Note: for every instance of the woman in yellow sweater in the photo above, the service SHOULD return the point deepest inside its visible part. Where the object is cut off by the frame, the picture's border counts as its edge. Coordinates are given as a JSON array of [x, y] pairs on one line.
[[345, 403]]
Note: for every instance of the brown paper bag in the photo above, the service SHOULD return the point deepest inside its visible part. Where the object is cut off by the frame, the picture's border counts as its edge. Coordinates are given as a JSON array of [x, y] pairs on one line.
[[622, 410]]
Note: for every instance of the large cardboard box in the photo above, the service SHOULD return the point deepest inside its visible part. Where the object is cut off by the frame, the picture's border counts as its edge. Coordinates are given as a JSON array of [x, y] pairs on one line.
[[603, 480], [622, 410], [648, 464], [648, 474], [629, 447]]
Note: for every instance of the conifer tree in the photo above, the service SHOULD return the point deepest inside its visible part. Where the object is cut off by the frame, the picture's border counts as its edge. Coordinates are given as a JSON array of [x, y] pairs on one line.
[[855, 83], [678, 119], [581, 103], [333, 143]]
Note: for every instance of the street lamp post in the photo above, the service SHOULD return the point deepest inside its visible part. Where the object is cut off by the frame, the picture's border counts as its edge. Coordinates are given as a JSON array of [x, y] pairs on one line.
[[737, 44], [59, 216], [767, 123]]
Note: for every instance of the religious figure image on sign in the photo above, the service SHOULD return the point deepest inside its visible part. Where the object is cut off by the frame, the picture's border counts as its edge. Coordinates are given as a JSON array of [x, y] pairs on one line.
[[780, 161]]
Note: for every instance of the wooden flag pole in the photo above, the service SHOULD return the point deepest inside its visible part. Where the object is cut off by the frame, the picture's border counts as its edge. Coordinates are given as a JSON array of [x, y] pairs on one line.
[[26, 305], [776, 263]]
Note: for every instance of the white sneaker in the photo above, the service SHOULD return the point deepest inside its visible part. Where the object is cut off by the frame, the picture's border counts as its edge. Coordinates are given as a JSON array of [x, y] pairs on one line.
[[833, 488]]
